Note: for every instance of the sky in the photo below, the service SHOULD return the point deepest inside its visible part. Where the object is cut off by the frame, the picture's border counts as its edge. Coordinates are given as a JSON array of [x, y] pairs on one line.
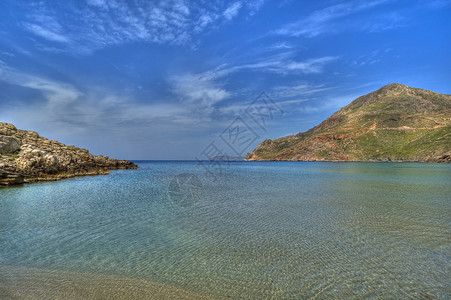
[[185, 80]]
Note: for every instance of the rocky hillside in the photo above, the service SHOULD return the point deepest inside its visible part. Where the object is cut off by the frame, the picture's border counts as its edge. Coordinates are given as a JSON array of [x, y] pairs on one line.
[[394, 123], [25, 157]]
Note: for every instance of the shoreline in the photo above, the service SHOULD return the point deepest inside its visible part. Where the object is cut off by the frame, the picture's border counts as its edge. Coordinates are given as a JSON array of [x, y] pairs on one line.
[[18, 282], [63, 176], [443, 160], [16, 180]]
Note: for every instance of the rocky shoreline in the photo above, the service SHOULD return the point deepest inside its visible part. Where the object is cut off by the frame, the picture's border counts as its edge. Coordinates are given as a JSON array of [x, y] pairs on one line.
[[442, 159], [26, 157]]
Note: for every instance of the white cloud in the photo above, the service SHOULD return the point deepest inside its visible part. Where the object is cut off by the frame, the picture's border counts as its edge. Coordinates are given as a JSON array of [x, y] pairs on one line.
[[8, 54], [98, 23], [318, 22], [309, 66], [198, 90], [254, 6], [46, 33], [385, 22], [68, 107], [56, 92], [106, 123], [232, 10], [280, 45], [281, 64], [297, 90]]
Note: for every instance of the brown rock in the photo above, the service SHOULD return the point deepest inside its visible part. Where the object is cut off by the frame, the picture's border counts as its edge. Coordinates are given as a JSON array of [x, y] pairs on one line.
[[25, 156]]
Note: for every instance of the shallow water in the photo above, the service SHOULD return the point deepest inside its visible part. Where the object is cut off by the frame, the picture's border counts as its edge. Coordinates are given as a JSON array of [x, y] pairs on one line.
[[279, 230]]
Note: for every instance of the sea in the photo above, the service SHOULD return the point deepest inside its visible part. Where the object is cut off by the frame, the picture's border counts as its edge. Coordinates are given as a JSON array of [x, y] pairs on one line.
[[231, 230]]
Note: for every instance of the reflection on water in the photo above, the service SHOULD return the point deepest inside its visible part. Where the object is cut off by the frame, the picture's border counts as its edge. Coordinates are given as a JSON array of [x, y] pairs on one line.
[[261, 230]]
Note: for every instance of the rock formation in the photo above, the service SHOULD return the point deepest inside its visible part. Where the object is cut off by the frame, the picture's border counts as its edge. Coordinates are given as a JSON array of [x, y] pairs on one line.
[[26, 157]]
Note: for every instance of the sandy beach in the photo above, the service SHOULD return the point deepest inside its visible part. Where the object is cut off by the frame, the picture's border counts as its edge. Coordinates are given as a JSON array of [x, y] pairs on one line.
[[33, 283]]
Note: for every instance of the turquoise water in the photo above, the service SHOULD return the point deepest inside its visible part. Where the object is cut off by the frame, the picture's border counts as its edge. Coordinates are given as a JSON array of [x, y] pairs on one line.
[[258, 230]]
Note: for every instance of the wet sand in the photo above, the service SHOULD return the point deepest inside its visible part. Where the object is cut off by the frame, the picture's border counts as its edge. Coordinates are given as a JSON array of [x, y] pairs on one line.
[[32, 283]]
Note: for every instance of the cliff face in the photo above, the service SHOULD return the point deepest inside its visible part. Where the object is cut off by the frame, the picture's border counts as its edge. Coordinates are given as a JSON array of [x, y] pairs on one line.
[[25, 157], [394, 123]]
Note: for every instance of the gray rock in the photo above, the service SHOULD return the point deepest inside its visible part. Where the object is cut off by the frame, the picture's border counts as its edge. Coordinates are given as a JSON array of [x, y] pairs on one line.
[[9, 144]]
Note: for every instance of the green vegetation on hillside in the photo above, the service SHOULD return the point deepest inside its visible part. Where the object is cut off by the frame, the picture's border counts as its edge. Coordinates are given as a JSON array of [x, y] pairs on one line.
[[395, 122]]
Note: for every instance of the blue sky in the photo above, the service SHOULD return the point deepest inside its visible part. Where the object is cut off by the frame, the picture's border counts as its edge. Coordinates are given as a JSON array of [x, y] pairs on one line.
[[164, 79]]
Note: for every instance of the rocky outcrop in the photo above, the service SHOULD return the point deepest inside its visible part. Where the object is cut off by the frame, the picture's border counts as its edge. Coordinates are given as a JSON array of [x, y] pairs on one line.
[[11, 179], [394, 123], [25, 156]]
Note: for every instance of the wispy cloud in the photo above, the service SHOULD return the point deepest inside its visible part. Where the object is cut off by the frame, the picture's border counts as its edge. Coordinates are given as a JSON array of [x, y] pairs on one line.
[[54, 91], [297, 90], [314, 65], [67, 106], [8, 54], [280, 64], [385, 22], [232, 10], [254, 6], [46, 33], [319, 21], [200, 92], [280, 45], [82, 117], [98, 23]]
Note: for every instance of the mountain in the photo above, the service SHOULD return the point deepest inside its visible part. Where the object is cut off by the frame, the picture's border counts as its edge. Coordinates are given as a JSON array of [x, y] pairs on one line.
[[394, 123], [25, 156]]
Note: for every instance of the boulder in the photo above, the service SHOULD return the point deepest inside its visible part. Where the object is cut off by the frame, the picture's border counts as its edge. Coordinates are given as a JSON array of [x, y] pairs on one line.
[[9, 144]]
